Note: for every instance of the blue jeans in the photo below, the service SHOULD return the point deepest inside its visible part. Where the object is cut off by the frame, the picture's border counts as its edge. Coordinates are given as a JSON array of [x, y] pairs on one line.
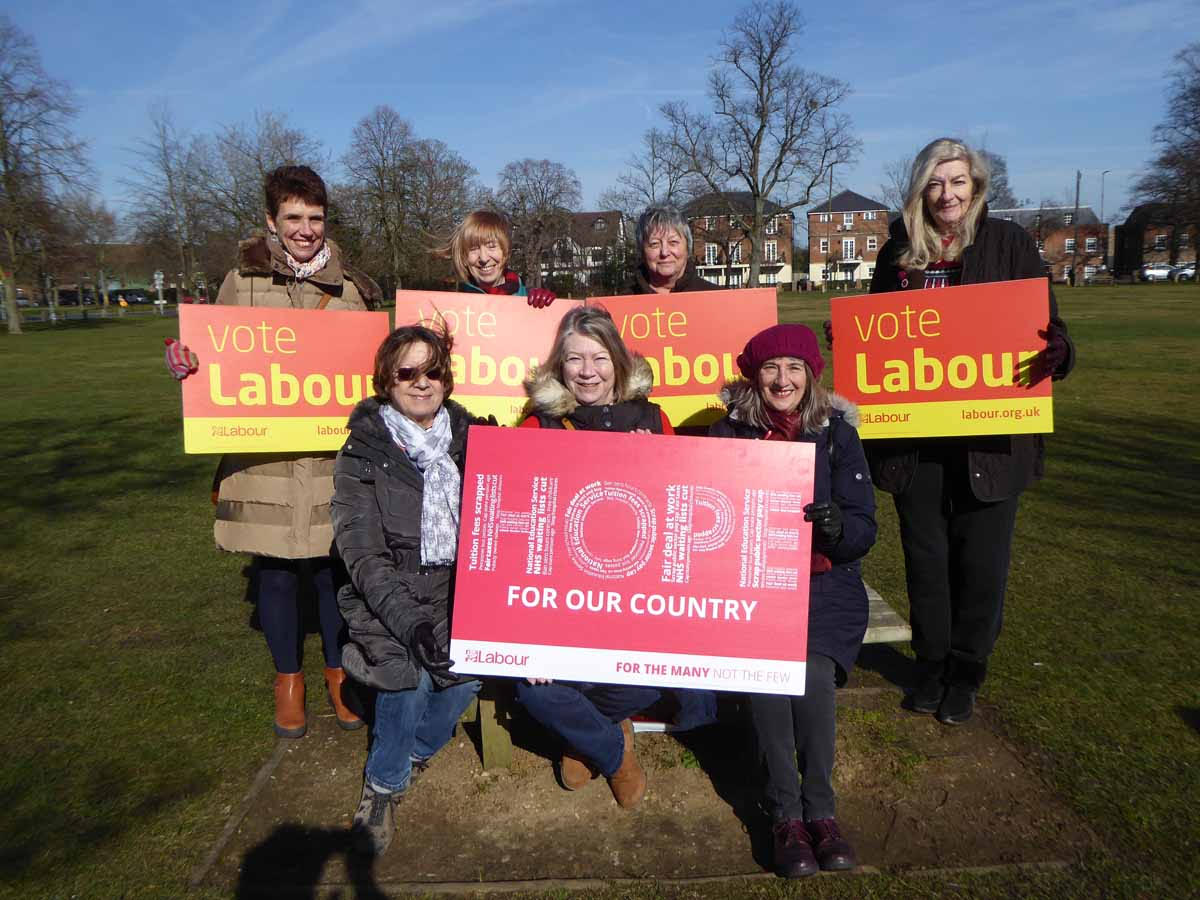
[[412, 725], [587, 716]]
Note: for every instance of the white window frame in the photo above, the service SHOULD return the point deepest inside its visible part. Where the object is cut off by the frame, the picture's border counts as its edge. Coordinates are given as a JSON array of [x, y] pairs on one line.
[[1068, 218], [712, 254], [869, 215], [710, 222], [873, 243], [848, 248], [771, 251], [824, 246], [1160, 242], [772, 226], [735, 253], [824, 217], [1068, 245], [848, 219], [769, 278], [1091, 244], [735, 278]]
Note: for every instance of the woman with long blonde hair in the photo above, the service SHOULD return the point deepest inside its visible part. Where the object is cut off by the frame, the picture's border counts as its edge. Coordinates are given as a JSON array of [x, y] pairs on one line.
[[957, 497]]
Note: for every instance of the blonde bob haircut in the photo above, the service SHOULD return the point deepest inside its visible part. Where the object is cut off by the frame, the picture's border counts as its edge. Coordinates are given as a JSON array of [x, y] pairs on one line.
[[924, 239], [476, 229], [813, 410], [593, 322]]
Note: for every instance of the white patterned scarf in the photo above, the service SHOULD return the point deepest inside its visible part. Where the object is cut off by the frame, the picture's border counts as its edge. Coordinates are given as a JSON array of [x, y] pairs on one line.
[[441, 498], [301, 270]]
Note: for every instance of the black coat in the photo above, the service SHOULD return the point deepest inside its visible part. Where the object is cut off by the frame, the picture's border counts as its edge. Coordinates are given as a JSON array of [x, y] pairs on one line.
[[376, 511], [999, 466], [837, 600], [688, 281]]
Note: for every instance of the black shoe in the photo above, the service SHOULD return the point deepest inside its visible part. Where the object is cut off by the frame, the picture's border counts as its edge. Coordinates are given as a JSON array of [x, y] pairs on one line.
[[927, 696], [957, 706], [793, 850], [833, 852]]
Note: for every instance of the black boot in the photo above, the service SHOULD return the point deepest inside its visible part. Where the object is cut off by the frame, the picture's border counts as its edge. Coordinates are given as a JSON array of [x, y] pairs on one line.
[[964, 678], [928, 686]]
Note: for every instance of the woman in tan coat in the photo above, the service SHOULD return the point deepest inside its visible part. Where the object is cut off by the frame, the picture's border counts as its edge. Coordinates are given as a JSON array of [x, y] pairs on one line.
[[276, 506]]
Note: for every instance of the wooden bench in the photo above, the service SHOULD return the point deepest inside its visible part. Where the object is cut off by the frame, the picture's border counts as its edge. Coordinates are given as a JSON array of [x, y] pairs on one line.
[[490, 712]]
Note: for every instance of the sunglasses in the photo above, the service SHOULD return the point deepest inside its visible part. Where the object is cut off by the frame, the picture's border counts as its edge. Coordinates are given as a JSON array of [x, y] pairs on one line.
[[410, 373]]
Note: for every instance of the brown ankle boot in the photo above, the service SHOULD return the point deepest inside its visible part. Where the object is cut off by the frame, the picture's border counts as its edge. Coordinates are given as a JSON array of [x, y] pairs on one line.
[[289, 705], [342, 699], [628, 783], [575, 771]]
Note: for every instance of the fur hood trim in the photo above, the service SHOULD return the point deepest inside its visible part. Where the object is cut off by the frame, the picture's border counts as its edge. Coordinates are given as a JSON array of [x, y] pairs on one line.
[[549, 396], [735, 390]]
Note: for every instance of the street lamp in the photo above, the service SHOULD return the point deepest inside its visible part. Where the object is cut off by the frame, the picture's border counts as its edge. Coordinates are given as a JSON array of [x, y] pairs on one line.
[[1103, 223]]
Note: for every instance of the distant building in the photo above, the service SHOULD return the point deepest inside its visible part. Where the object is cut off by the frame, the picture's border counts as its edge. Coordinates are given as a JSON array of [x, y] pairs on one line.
[[1055, 231], [721, 248], [1152, 235], [589, 250], [845, 235]]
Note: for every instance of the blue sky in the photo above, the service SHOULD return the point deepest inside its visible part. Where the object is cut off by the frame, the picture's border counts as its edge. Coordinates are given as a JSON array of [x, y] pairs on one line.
[[1052, 85]]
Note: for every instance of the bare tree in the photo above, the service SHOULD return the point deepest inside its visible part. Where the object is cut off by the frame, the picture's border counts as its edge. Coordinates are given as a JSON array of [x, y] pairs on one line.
[[656, 175], [92, 228], [539, 196], [245, 155], [894, 188], [775, 128], [39, 156], [1173, 176], [378, 165], [1000, 192], [169, 183]]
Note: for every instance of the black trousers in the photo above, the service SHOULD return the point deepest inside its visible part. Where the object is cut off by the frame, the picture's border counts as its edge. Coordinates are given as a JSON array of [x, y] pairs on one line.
[[956, 555], [796, 736]]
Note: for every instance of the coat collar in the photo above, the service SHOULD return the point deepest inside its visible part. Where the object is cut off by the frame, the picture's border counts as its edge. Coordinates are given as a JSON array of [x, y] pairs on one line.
[[736, 392], [264, 257]]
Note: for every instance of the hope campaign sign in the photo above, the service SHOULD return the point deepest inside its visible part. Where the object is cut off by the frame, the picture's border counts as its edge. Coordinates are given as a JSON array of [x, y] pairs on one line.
[[497, 340], [691, 341], [634, 559], [275, 380], [944, 361]]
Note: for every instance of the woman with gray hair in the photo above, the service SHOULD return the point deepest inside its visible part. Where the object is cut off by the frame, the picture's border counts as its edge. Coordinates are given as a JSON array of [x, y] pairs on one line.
[[956, 498], [664, 241]]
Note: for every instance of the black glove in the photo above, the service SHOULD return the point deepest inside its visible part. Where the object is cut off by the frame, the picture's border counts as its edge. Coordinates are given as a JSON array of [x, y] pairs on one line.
[[1038, 368], [426, 651], [826, 518]]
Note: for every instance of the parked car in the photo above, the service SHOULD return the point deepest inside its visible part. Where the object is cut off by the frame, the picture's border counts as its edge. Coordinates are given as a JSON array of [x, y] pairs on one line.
[[1186, 272], [1156, 272]]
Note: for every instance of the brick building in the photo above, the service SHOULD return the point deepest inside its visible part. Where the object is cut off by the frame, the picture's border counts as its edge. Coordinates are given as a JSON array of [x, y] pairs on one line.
[[1054, 230], [1150, 235], [590, 253], [845, 235], [720, 242]]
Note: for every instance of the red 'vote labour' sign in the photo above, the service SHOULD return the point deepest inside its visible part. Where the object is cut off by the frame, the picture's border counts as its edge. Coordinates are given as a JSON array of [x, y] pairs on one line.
[[634, 559]]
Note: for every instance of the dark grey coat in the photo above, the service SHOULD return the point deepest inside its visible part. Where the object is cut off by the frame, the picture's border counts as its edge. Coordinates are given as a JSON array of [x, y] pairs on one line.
[[376, 512]]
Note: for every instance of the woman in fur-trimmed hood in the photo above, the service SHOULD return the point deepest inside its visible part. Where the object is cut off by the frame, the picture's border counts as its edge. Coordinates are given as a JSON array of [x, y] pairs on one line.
[[781, 399], [591, 382]]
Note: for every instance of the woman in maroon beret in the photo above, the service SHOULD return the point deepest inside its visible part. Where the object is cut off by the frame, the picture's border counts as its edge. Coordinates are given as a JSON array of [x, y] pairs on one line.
[[781, 399]]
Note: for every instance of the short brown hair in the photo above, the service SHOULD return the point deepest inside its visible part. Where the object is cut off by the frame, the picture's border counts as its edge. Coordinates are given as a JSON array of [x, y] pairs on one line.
[[595, 322], [396, 344], [294, 183], [477, 228]]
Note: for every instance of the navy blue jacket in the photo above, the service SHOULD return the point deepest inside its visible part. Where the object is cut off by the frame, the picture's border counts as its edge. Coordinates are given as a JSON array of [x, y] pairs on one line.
[[837, 599]]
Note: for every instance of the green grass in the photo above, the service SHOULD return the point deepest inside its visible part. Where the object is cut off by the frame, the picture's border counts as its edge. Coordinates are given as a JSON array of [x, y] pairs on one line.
[[138, 701]]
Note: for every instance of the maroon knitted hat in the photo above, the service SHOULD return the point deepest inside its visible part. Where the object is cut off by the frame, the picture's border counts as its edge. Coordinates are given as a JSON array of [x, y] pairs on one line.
[[781, 340]]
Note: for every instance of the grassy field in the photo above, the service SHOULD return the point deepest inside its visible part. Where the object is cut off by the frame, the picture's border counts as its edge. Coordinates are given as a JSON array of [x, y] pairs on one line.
[[139, 700]]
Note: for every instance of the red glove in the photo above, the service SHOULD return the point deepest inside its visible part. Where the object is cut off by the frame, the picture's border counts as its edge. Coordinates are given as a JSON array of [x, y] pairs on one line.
[[540, 298], [181, 362], [828, 326]]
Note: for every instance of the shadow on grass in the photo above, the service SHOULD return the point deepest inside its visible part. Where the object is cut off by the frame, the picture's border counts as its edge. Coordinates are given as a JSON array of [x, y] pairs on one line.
[[887, 661], [45, 828], [290, 861], [1190, 716]]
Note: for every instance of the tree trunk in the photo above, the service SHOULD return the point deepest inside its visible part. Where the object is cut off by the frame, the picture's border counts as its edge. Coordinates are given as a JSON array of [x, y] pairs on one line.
[[10, 287]]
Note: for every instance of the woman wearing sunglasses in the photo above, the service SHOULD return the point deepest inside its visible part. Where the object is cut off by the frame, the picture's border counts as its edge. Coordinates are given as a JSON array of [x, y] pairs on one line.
[[397, 488]]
